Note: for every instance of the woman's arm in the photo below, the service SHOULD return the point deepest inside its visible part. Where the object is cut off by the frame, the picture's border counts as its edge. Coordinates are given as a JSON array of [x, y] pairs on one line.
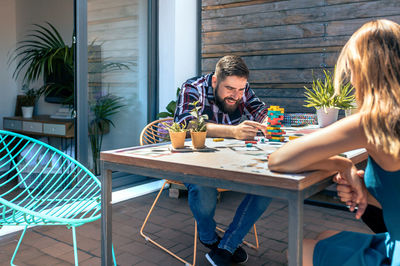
[[319, 151]]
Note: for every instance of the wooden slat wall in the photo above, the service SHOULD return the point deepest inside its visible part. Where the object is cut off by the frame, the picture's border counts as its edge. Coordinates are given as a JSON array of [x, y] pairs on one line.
[[113, 27], [283, 41]]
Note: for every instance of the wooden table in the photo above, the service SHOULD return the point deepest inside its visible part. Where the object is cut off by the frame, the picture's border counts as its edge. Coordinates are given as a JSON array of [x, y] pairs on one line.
[[41, 125], [228, 164]]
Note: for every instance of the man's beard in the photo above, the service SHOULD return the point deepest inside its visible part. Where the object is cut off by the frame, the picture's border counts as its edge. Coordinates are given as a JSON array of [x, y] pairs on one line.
[[222, 105]]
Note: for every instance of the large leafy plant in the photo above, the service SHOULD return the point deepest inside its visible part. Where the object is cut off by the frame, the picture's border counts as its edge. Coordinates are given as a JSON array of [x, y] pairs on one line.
[[102, 110], [198, 124], [43, 54], [322, 94]]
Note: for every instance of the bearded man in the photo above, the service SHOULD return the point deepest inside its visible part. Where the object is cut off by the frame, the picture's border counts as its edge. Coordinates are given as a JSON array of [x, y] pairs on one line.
[[226, 98]]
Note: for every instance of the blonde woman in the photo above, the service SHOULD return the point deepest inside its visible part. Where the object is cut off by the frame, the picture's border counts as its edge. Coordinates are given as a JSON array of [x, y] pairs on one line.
[[371, 61]]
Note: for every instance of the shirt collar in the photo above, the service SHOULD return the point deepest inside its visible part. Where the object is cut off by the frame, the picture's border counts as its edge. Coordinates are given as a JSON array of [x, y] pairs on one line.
[[210, 90]]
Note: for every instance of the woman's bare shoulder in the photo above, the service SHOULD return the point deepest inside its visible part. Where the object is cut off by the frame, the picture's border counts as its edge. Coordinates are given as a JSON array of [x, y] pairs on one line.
[[386, 161]]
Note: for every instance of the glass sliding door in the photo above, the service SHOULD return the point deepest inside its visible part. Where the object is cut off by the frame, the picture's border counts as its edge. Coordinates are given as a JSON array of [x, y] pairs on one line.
[[117, 73]]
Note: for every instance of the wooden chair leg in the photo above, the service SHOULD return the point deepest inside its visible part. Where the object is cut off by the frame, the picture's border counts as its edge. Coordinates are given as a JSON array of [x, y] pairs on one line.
[[147, 238]]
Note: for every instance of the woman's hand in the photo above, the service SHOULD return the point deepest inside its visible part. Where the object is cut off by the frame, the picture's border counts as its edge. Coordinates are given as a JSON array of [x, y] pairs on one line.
[[351, 189]]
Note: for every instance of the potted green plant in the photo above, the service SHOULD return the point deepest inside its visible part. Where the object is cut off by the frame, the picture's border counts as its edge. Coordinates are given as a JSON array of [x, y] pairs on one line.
[[102, 110], [323, 98], [28, 100], [177, 134], [197, 126], [43, 54]]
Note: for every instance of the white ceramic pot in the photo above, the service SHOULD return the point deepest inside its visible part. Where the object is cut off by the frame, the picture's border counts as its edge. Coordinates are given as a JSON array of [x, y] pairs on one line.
[[325, 119], [27, 111]]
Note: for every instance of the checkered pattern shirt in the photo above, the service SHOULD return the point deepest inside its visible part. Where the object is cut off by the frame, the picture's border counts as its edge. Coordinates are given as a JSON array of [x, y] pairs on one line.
[[200, 89]]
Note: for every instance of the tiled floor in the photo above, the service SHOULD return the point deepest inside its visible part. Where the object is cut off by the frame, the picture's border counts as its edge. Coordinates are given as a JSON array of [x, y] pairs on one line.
[[172, 224]]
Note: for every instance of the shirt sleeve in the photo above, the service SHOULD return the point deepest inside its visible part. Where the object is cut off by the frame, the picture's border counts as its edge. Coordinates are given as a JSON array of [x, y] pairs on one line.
[[187, 95], [255, 106]]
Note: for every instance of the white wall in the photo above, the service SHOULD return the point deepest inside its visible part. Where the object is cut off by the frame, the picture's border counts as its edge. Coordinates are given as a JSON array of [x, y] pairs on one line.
[[60, 13], [8, 87], [177, 46]]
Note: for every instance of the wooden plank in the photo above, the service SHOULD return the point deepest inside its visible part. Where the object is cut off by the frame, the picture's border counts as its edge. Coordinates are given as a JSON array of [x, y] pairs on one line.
[[299, 16], [112, 24], [256, 86], [292, 52], [274, 46], [343, 27], [116, 34], [113, 12], [104, 4], [335, 2], [260, 8], [120, 55], [264, 34], [291, 105], [285, 61], [280, 76], [233, 3], [279, 93], [120, 44]]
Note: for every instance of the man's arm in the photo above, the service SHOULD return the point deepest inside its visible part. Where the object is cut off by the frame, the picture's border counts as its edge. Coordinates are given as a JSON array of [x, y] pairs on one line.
[[245, 130], [256, 108]]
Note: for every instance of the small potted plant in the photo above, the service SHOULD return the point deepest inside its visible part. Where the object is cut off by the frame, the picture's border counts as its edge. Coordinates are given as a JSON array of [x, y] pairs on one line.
[[197, 126], [322, 96], [177, 134], [28, 100]]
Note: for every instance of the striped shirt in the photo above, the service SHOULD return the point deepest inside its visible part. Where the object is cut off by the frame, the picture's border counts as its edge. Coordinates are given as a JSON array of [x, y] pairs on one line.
[[200, 89]]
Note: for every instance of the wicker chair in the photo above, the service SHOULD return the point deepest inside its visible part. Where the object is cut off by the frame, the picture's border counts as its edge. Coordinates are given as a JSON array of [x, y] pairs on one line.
[[156, 132], [44, 186]]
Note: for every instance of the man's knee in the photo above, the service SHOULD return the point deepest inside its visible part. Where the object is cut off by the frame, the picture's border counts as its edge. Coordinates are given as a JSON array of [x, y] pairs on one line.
[[205, 198], [262, 203]]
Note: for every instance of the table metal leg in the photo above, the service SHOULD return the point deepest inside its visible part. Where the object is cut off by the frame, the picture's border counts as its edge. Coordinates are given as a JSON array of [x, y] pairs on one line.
[[296, 230], [106, 217]]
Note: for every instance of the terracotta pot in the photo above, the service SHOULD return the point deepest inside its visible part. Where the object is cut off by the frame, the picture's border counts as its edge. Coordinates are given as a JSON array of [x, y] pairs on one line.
[[325, 119], [198, 139], [177, 139]]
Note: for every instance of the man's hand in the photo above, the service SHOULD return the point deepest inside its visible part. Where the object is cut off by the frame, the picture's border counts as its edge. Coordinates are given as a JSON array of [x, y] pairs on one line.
[[248, 129], [354, 194]]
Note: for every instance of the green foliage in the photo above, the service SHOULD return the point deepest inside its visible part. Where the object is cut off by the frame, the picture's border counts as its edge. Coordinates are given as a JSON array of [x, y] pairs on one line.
[[41, 53], [170, 107], [31, 95], [322, 94], [102, 110], [176, 127], [198, 124], [44, 54]]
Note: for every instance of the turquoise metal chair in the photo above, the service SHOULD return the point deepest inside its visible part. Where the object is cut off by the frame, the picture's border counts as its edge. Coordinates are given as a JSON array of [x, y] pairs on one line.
[[48, 187]]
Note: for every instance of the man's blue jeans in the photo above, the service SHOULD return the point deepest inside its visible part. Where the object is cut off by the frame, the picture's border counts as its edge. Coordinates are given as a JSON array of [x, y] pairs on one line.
[[202, 202]]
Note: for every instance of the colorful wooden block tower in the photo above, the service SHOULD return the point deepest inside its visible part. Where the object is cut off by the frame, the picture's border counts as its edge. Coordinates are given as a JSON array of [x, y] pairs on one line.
[[275, 117]]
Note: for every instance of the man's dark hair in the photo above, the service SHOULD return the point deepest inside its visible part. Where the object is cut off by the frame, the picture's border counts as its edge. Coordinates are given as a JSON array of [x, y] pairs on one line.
[[231, 65]]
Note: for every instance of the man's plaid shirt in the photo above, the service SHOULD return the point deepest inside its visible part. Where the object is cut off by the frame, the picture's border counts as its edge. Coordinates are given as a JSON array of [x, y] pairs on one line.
[[200, 89]]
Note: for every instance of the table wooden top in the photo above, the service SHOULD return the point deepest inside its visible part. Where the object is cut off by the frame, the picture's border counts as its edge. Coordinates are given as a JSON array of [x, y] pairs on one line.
[[229, 159]]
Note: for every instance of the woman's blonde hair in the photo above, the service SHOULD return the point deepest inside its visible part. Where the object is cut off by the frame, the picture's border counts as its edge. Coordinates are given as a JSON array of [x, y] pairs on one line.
[[371, 61]]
